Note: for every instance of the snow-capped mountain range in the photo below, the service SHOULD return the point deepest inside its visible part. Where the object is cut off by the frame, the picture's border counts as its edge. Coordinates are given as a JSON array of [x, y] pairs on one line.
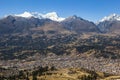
[[52, 15], [109, 23]]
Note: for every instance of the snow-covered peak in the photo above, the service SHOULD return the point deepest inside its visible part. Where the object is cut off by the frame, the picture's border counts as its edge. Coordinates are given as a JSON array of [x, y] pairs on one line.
[[25, 14], [73, 17], [111, 17], [52, 15]]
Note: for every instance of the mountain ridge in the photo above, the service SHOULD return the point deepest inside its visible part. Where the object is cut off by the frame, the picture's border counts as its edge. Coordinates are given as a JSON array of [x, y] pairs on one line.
[[19, 23], [106, 25]]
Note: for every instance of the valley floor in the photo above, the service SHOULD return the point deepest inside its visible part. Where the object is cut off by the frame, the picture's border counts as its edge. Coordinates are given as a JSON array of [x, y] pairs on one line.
[[110, 66]]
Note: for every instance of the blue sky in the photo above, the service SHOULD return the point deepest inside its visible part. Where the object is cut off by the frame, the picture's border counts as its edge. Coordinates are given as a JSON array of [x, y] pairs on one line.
[[92, 10]]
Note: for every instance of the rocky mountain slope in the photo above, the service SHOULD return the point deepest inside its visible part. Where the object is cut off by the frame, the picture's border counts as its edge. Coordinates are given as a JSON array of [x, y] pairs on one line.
[[79, 25], [26, 34]]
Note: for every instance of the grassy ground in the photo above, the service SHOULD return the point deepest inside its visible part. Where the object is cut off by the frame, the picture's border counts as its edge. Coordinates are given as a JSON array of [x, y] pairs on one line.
[[62, 74], [71, 74]]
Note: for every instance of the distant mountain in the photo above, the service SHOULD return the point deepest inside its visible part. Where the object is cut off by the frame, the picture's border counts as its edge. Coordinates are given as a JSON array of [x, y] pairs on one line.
[[79, 25], [15, 24], [112, 17], [50, 22], [29, 22], [110, 24]]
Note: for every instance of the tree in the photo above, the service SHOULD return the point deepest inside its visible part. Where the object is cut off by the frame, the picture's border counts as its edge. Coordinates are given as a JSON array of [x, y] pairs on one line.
[[53, 68], [34, 77], [27, 78]]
